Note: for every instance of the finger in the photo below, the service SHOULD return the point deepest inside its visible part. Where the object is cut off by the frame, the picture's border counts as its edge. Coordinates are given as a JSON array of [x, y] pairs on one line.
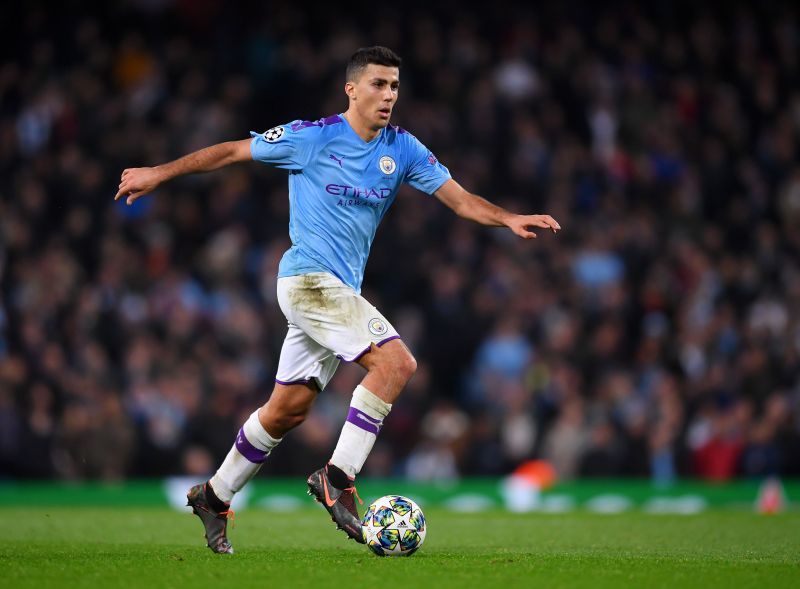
[[134, 196], [534, 221], [545, 221], [537, 223], [552, 223], [523, 233], [124, 188]]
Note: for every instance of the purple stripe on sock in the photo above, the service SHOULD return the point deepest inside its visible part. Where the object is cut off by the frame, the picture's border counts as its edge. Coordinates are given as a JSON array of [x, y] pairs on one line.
[[379, 344], [247, 449], [365, 422]]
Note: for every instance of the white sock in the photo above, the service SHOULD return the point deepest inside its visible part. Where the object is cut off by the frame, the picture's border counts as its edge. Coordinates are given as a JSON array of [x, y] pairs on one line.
[[253, 445], [364, 421]]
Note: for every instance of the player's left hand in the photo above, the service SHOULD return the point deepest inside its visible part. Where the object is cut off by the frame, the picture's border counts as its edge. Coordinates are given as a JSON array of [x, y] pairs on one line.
[[136, 182], [519, 224]]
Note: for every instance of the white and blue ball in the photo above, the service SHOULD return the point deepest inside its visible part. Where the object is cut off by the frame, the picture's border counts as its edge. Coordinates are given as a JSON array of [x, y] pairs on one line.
[[394, 526]]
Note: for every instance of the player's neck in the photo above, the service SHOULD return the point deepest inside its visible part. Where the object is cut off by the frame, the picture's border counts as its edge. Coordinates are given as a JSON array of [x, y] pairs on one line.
[[360, 126]]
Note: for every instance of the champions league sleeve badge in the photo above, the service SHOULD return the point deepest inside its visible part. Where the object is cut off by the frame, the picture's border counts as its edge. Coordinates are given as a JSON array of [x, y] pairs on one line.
[[387, 165], [274, 134]]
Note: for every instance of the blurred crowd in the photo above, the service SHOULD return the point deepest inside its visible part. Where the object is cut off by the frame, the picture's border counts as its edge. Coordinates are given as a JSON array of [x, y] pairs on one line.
[[658, 335]]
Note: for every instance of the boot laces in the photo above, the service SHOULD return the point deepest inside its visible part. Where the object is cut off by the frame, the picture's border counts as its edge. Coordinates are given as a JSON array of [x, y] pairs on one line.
[[230, 515], [352, 490]]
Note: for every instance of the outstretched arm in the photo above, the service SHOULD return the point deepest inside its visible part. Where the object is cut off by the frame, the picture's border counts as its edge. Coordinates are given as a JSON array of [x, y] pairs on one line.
[[474, 208], [136, 182]]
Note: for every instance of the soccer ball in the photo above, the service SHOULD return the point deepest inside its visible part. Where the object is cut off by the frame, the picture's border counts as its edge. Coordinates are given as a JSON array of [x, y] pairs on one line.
[[393, 526]]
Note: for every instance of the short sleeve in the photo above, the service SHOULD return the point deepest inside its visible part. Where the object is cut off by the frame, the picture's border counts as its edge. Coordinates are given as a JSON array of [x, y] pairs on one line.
[[283, 146], [424, 172]]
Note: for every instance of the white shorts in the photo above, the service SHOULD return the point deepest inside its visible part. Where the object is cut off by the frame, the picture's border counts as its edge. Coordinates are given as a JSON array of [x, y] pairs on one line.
[[328, 322]]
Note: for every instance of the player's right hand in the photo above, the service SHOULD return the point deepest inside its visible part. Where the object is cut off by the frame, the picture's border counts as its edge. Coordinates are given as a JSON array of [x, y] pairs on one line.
[[136, 182], [519, 224]]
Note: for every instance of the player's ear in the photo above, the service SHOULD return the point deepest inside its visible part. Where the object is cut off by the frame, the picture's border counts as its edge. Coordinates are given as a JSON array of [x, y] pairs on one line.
[[350, 90]]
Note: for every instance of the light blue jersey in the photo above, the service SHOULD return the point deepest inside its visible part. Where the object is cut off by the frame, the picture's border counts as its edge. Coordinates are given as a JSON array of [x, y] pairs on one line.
[[340, 187]]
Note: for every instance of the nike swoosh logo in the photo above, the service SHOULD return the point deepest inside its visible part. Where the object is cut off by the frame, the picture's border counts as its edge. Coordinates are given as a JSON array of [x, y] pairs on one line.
[[328, 501]]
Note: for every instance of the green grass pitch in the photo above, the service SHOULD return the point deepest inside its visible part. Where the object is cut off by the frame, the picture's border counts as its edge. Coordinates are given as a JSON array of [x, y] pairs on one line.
[[106, 547]]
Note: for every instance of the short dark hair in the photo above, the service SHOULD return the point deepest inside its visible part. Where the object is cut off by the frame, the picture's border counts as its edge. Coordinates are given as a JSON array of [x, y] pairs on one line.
[[367, 55]]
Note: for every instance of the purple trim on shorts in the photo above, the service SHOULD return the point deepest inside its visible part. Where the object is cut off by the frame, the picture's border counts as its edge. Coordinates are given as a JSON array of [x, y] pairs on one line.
[[249, 451], [291, 382], [364, 421], [312, 382], [379, 344]]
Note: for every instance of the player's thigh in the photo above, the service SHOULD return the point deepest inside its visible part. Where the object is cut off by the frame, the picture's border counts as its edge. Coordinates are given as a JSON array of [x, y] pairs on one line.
[[333, 314], [304, 361]]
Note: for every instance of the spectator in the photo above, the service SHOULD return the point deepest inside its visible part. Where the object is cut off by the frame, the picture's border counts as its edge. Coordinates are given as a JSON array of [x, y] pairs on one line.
[[658, 336]]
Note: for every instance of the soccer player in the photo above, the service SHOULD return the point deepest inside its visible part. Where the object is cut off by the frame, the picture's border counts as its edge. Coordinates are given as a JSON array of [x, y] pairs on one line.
[[344, 173]]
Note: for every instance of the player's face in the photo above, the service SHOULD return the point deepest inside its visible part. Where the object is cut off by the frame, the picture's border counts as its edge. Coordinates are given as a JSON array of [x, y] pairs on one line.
[[375, 93]]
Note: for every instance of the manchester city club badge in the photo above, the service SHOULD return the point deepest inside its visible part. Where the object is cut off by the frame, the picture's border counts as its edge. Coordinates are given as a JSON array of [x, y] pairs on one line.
[[377, 326], [387, 165]]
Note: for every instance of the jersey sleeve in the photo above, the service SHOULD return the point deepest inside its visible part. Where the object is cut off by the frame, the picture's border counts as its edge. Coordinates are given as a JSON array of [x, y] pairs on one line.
[[284, 146], [424, 172]]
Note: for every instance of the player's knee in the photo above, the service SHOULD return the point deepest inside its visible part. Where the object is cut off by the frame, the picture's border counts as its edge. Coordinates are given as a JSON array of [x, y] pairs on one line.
[[392, 364]]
